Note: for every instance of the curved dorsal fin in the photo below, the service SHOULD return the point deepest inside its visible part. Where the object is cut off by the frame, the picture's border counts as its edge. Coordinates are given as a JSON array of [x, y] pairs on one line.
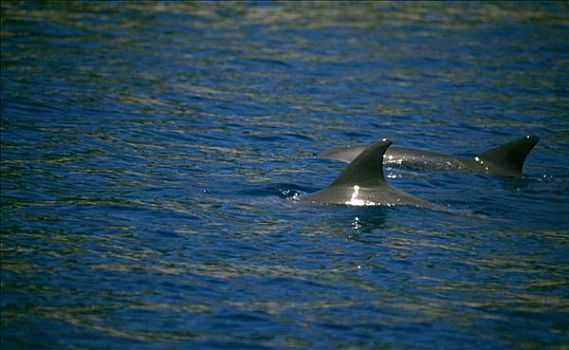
[[511, 155], [367, 168]]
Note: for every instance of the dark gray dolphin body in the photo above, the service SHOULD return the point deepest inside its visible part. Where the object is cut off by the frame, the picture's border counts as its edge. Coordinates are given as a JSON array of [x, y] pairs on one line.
[[362, 183], [505, 160]]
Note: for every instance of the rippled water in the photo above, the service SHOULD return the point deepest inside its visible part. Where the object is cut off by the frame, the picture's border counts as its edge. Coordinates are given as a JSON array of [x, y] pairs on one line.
[[153, 153]]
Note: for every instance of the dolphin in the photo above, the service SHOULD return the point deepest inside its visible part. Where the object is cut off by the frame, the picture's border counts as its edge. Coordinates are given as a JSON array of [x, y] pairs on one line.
[[505, 160], [362, 183]]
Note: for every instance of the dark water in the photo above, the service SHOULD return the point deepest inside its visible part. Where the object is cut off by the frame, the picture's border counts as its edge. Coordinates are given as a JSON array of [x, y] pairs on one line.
[[153, 154]]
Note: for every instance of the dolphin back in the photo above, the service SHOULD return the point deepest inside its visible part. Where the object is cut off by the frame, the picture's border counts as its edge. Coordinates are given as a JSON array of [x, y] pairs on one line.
[[344, 153], [511, 155], [362, 183]]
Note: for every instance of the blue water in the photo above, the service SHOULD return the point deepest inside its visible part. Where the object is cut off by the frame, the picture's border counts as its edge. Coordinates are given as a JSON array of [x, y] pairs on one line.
[[153, 154]]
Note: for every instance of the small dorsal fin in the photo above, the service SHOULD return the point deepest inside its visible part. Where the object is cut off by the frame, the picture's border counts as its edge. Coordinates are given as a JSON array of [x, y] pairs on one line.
[[512, 154], [367, 168]]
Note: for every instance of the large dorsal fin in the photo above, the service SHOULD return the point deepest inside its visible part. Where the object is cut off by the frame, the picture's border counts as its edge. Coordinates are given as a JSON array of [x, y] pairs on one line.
[[512, 154], [367, 168]]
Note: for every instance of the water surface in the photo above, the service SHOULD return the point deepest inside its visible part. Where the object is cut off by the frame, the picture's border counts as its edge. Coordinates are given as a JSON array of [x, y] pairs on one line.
[[153, 154]]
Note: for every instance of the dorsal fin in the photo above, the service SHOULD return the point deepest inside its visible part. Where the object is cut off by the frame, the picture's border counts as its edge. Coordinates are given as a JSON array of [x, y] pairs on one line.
[[512, 154], [367, 168]]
